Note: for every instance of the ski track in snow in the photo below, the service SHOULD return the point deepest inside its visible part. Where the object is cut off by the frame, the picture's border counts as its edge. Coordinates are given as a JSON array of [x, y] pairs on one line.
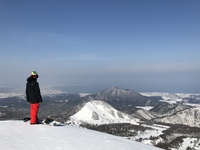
[[17, 135]]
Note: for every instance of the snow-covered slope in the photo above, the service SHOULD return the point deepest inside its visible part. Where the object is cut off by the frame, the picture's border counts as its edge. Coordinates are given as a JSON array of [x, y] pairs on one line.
[[190, 142], [175, 98], [145, 114], [189, 117], [99, 112], [17, 135]]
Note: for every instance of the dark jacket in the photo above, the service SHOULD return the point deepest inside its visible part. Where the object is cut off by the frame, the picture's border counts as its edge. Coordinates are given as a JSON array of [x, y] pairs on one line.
[[33, 94]]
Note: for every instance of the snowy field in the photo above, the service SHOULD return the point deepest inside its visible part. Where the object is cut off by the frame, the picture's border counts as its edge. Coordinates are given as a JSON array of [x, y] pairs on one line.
[[145, 136], [190, 142], [17, 135], [145, 108], [174, 98]]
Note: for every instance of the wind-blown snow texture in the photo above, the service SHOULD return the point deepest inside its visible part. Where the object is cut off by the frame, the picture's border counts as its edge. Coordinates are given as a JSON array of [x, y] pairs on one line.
[[17, 135]]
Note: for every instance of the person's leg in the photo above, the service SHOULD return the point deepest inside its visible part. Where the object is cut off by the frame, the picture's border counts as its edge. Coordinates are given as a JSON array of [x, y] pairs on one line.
[[33, 112]]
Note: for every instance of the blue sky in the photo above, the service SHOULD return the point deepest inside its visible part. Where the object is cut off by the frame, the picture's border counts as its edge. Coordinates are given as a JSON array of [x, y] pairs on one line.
[[144, 45]]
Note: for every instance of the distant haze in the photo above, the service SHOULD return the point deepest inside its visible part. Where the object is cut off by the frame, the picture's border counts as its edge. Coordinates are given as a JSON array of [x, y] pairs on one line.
[[92, 45]]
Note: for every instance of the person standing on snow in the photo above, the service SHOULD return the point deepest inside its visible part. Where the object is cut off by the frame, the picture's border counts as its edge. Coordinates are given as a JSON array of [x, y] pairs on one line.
[[33, 96]]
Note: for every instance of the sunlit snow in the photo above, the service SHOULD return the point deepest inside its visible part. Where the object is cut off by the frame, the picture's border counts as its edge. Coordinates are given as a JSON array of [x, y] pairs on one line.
[[17, 135]]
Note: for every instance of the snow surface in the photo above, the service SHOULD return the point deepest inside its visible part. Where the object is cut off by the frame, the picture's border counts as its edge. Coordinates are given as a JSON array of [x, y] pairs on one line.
[[190, 117], [190, 142], [145, 107], [156, 131], [174, 98], [84, 94], [17, 135]]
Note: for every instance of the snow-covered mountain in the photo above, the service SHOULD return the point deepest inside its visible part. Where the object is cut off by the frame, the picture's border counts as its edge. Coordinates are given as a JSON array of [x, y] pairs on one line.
[[100, 112], [124, 100], [179, 108], [117, 92], [166, 109], [17, 135], [177, 98], [189, 117], [145, 114], [116, 95]]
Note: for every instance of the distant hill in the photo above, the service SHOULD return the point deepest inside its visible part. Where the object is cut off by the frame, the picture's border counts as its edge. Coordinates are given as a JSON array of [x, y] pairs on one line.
[[99, 112], [124, 99]]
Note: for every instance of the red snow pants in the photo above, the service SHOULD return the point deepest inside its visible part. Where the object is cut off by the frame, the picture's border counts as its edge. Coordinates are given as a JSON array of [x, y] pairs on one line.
[[33, 112]]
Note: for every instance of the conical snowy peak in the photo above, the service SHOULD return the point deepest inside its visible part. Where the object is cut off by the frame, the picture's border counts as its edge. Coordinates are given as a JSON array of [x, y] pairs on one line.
[[99, 112]]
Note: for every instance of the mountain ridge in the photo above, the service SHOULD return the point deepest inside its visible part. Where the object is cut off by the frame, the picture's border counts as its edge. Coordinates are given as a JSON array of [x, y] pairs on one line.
[[100, 112], [124, 100]]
